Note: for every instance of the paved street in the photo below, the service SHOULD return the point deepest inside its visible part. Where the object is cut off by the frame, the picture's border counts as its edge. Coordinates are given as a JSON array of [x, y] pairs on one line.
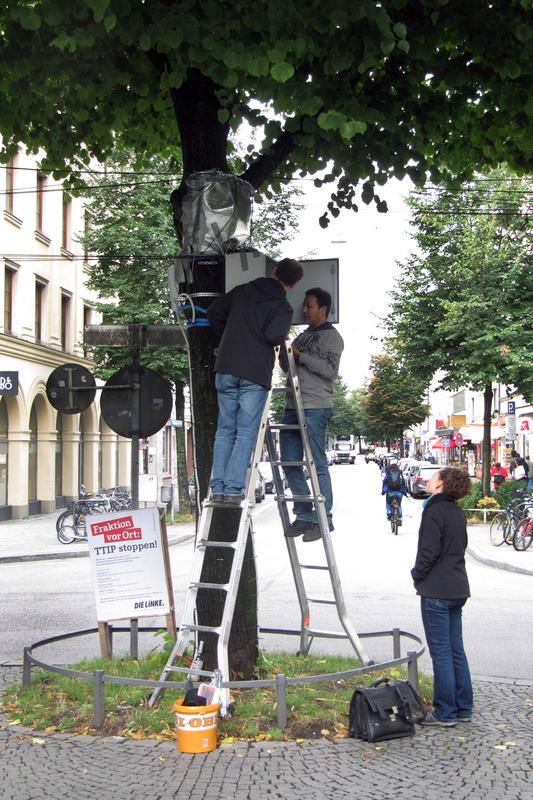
[[489, 758]]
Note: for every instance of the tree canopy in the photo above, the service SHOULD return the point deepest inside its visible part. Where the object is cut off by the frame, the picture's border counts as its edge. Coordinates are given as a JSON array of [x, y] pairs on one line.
[[462, 303], [366, 90], [394, 400]]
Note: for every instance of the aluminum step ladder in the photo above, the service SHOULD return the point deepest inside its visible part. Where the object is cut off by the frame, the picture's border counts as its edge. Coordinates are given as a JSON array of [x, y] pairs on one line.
[[307, 631], [189, 627]]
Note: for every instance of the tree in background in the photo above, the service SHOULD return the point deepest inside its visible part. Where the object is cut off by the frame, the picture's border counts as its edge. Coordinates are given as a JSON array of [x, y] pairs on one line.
[[462, 303], [365, 91], [394, 400], [344, 419]]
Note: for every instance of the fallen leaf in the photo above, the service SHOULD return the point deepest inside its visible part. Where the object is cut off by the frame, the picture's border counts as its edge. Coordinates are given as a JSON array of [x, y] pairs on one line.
[[36, 740], [14, 722], [228, 740], [51, 729], [299, 741], [325, 732], [378, 747], [461, 738], [163, 760]]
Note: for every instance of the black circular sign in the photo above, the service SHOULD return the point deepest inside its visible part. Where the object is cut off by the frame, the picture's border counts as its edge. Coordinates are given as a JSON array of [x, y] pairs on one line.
[[70, 388], [118, 405]]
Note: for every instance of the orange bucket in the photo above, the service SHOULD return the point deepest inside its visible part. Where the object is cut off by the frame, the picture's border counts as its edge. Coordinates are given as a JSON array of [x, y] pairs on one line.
[[196, 727]]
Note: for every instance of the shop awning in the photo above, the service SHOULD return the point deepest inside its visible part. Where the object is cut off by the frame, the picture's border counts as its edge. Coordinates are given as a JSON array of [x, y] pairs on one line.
[[475, 433], [438, 444]]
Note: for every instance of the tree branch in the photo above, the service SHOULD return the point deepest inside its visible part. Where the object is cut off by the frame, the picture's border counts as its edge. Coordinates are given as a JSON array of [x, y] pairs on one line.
[[267, 163]]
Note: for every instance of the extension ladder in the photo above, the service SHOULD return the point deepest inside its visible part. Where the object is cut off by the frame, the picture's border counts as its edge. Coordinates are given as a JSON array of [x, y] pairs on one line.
[[189, 626]]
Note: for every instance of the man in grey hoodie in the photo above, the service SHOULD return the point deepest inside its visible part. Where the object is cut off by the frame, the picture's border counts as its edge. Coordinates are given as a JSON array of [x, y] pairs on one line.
[[251, 320], [317, 352]]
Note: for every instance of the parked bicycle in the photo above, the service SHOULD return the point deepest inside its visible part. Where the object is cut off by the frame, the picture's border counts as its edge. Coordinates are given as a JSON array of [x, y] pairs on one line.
[[507, 522], [523, 534], [71, 524]]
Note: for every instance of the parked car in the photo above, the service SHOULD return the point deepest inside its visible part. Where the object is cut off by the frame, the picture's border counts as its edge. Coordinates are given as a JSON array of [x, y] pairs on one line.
[[259, 488], [419, 482], [265, 468], [411, 471], [330, 455]]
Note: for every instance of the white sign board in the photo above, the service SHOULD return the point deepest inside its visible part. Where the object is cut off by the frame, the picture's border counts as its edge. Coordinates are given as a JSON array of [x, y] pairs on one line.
[[148, 488], [127, 565], [323, 273]]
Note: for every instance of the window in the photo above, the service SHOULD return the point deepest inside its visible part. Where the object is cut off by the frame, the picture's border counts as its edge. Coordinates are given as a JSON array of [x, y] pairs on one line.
[[32, 456], [65, 234], [87, 317], [39, 296], [10, 184], [65, 322], [3, 452], [8, 299], [86, 229], [59, 456], [41, 181]]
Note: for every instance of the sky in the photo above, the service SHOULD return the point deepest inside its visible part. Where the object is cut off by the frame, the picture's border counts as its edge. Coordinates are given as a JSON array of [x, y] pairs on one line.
[[367, 244]]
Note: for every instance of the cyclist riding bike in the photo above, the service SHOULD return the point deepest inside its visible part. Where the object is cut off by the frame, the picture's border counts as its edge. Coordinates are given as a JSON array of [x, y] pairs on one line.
[[393, 486]]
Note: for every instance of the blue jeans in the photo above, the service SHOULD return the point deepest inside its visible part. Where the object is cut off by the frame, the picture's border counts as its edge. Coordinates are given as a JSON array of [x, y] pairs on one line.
[[399, 497], [291, 449], [240, 406], [452, 686]]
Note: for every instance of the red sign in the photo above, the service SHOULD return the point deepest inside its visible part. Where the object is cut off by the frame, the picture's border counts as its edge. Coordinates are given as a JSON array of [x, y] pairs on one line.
[[458, 439]]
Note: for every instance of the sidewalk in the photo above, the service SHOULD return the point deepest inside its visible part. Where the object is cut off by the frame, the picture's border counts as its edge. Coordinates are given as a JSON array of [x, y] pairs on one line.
[[35, 539], [503, 557]]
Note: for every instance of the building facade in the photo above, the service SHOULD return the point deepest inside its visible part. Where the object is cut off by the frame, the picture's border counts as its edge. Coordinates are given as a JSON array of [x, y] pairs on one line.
[[44, 306]]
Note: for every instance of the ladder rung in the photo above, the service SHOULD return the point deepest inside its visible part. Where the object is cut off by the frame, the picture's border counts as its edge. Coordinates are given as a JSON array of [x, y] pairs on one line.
[[209, 543], [201, 585], [191, 671], [323, 600], [301, 498], [200, 628], [290, 463], [286, 389], [279, 426], [312, 566]]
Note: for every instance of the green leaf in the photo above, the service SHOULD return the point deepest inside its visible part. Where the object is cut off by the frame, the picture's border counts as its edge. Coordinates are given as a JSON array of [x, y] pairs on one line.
[[323, 221], [98, 7], [400, 30], [144, 42], [331, 120], [223, 115], [109, 22], [282, 71], [403, 45], [29, 20], [350, 129]]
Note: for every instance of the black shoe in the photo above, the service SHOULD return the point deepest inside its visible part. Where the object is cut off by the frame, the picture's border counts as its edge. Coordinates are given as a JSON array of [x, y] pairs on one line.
[[313, 532], [434, 721], [233, 499], [217, 498], [297, 527], [331, 525]]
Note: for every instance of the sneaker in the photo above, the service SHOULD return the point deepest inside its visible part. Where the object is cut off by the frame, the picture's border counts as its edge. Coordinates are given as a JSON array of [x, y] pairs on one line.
[[431, 719], [233, 499], [331, 525], [296, 528], [399, 522], [464, 718], [313, 533], [217, 498]]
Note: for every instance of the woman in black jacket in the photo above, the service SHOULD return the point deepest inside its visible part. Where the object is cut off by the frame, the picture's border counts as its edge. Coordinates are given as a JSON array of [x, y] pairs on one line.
[[440, 578]]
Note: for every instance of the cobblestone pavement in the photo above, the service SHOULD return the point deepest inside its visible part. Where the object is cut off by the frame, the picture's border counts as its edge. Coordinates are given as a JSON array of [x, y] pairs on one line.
[[489, 758]]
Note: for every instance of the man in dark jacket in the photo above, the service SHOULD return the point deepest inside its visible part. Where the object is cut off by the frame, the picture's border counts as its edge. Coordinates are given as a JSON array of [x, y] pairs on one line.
[[251, 320], [440, 578]]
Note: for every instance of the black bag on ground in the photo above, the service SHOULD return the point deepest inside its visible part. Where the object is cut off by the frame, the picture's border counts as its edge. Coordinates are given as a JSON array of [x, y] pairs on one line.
[[385, 711]]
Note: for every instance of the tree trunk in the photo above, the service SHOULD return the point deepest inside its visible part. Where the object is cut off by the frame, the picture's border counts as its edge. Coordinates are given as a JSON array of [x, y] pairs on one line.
[[204, 147], [485, 447], [400, 440], [181, 453]]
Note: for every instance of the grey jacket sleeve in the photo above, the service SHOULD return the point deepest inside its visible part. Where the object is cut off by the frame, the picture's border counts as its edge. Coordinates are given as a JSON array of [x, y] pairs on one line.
[[324, 354]]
